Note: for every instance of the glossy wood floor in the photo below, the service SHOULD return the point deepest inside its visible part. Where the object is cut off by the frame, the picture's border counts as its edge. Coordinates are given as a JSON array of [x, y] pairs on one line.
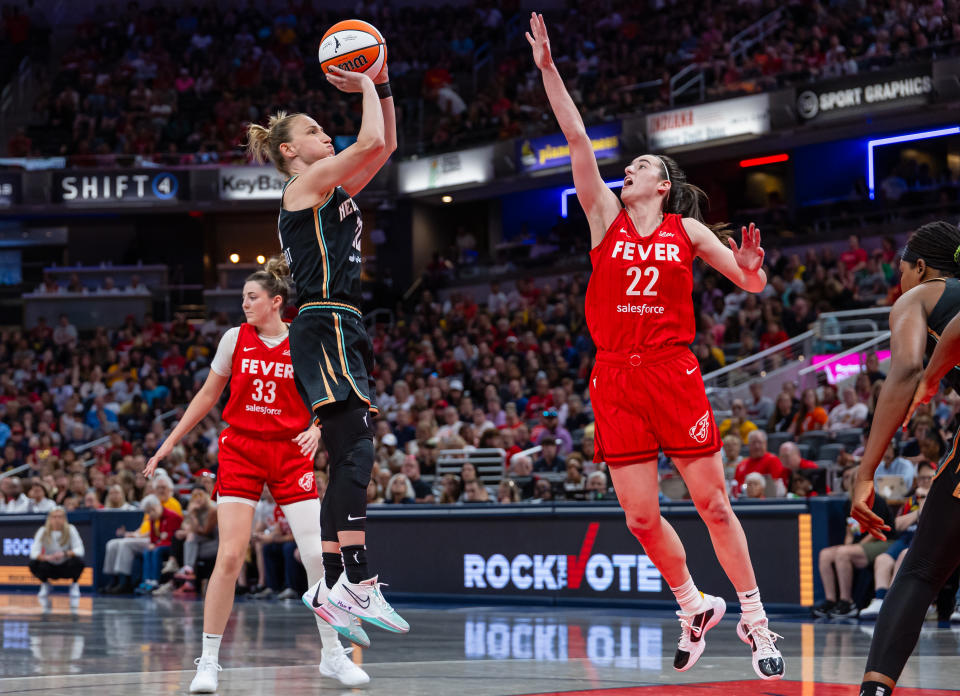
[[105, 646]]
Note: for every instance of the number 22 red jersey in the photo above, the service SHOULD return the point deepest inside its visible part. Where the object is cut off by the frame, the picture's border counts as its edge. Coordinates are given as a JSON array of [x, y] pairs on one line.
[[263, 395], [640, 293]]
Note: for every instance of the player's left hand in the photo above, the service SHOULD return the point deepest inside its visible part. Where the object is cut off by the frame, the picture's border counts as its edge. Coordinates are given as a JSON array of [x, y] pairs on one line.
[[861, 510], [308, 440], [382, 77], [749, 255], [345, 80]]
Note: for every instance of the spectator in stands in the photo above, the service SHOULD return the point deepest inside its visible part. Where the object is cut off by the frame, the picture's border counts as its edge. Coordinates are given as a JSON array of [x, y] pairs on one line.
[[422, 493], [451, 489], [116, 499], [754, 487], [837, 563], [38, 500], [280, 565], [893, 465], [508, 492], [550, 426], [810, 416], [163, 524], [12, 499], [848, 414], [388, 453], [730, 453], [854, 258], [760, 460], [521, 471], [57, 553], [737, 423], [65, 333], [475, 492], [783, 413], [200, 538], [400, 491], [597, 486], [792, 460], [451, 423], [759, 407], [549, 459], [872, 368]]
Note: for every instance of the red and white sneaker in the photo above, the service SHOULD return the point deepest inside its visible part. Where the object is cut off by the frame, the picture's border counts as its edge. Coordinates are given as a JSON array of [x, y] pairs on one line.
[[694, 628], [767, 660]]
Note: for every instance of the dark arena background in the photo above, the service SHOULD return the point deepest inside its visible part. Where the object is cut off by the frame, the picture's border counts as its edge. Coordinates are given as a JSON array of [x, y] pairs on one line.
[[131, 215]]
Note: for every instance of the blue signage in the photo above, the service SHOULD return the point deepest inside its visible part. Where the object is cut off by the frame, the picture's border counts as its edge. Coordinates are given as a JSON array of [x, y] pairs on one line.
[[552, 150]]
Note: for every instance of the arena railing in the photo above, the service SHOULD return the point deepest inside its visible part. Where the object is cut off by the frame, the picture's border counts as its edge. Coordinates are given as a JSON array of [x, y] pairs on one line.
[[488, 462]]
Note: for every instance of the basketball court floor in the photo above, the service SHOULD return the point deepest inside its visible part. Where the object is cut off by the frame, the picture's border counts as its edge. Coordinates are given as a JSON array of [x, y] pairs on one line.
[[104, 646]]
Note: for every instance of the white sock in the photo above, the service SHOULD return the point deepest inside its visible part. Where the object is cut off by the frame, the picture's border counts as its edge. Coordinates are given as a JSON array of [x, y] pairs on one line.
[[688, 597], [211, 646], [751, 608]]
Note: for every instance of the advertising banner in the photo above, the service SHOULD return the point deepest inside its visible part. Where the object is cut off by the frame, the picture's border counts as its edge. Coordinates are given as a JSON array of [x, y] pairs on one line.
[[552, 150], [122, 186], [16, 540], [562, 556], [10, 189], [857, 94], [474, 166], [846, 367], [250, 183], [713, 121]]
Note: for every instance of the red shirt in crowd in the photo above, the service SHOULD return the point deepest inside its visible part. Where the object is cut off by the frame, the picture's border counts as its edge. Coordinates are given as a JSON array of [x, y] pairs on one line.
[[767, 464], [851, 258], [161, 531]]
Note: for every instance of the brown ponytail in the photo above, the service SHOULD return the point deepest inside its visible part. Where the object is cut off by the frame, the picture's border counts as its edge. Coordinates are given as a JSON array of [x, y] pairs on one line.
[[685, 198], [263, 144], [274, 278]]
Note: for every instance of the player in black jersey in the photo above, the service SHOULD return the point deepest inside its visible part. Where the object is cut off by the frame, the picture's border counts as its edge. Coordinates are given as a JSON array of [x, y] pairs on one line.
[[320, 230], [930, 302]]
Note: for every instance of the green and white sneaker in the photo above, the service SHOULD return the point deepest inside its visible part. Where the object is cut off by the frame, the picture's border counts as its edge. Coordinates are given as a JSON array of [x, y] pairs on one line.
[[365, 601], [343, 623]]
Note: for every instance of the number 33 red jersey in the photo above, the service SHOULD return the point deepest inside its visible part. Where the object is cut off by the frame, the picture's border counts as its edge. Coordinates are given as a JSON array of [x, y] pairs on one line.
[[639, 295]]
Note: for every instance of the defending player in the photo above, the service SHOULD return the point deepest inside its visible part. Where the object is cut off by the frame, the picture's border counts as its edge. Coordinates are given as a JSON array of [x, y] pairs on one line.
[[320, 229], [927, 310], [646, 387], [267, 442]]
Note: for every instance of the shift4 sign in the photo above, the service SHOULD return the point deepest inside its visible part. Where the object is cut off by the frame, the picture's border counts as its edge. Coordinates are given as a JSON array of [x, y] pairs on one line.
[[124, 186]]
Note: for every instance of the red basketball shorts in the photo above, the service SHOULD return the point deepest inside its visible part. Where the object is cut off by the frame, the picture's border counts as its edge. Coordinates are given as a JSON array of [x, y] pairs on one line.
[[246, 463], [646, 402]]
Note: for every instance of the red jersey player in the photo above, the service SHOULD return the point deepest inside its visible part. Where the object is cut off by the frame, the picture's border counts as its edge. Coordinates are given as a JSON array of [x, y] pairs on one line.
[[268, 442], [646, 386]]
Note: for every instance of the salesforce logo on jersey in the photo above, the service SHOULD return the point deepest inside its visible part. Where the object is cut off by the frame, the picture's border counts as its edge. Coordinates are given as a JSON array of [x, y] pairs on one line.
[[250, 183], [580, 573]]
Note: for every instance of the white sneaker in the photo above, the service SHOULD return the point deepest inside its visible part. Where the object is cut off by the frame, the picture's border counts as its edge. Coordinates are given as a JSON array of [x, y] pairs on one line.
[[44, 590], [767, 660], [872, 610], [74, 590], [364, 600], [171, 566], [334, 663], [287, 593], [205, 682], [955, 616], [693, 628], [347, 625]]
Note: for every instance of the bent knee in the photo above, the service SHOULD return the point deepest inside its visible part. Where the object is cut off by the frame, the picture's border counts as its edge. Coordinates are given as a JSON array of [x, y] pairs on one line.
[[643, 525], [716, 510]]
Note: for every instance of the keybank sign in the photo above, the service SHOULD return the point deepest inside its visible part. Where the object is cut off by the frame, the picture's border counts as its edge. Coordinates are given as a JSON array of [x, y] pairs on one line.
[[614, 573]]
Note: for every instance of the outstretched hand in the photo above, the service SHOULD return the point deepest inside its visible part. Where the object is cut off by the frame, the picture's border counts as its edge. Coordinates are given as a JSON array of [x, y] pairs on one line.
[[749, 254], [345, 80], [539, 41]]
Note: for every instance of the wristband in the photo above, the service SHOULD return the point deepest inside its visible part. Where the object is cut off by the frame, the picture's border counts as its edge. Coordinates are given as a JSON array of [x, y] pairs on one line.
[[383, 90]]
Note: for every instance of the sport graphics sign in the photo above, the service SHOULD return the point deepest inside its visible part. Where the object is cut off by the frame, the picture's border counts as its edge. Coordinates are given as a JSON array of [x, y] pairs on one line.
[[870, 91], [123, 186], [250, 183], [565, 553], [553, 151]]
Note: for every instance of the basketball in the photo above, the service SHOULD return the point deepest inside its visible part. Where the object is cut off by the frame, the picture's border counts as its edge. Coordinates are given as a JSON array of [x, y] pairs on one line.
[[353, 45]]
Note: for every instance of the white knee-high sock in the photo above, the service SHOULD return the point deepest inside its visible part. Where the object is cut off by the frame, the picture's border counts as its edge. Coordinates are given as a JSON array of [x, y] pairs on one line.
[[304, 520]]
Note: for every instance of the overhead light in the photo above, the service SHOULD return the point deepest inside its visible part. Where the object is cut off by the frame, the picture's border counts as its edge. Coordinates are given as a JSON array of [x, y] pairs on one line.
[[446, 199], [905, 138], [572, 190], [234, 258], [261, 259], [760, 161]]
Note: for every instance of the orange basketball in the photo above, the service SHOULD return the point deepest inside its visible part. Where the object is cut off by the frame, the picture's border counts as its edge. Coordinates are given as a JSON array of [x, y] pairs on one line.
[[353, 45]]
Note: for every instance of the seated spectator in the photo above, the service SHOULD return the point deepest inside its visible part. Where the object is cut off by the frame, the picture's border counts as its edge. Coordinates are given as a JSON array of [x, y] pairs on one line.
[[730, 452], [810, 416], [783, 413], [759, 461], [400, 491], [475, 492], [116, 499], [574, 480], [837, 563], [792, 461], [508, 491], [163, 525], [542, 492], [872, 368], [892, 465], [521, 471], [759, 407], [389, 454], [12, 499], [451, 489], [754, 487], [597, 486], [281, 568], [850, 413], [549, 459], [201, 539], [422, 492], [550, 426], [38, 500], [57, 553], [737, 423]]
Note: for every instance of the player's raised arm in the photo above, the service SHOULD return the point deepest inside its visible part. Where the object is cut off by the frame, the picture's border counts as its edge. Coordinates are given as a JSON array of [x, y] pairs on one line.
[[356, 183], [599, 203], [743, 264]]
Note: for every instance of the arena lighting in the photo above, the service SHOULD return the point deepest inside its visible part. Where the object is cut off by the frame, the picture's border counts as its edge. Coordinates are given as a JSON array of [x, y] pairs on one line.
[[234, 258], [261, 259], [572, 190], [446, 199], [906, 138], [759, 161]]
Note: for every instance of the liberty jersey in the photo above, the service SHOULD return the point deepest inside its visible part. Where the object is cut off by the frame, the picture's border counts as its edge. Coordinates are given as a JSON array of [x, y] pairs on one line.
[[322, 247], [263, 396], [942, 314], [640, 293]]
